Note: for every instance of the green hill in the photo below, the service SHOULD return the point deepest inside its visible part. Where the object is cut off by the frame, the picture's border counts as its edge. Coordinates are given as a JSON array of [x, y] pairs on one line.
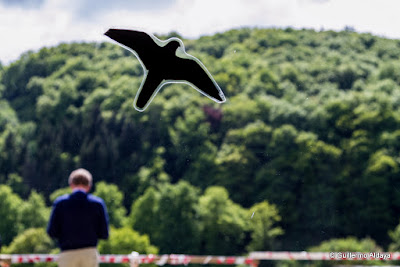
[[311, 124]]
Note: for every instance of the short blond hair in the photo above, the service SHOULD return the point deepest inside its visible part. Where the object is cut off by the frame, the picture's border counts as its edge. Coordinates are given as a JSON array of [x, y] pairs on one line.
[[80, 177]]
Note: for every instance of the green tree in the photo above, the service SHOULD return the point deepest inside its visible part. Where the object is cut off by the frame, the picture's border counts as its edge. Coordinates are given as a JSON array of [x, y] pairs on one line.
[[34, 212], [223, 223], [395, 238], [381, 174], [32, 241], [243, 152], [169, 215], [192, 151], [143, 216], [177, 219], [10, 205], [153, 175], [125, 241], [113, 198], [240, 111], [17, 184], [263, 222]]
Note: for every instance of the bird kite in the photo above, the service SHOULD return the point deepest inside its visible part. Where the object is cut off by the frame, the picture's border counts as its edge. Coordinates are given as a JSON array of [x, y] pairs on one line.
[[165, 62]]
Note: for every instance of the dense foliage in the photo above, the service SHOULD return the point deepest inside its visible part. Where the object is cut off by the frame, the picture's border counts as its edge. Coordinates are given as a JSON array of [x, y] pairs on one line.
[[308, 138]]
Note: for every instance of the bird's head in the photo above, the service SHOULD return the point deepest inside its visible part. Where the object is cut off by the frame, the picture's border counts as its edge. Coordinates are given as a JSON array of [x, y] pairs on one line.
[[172, 46], [176, 47]]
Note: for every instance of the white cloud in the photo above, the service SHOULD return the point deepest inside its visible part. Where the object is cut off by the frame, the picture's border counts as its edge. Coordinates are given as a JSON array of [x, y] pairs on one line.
[[376, 16], [61, 21], [192, 18], [23, 30]]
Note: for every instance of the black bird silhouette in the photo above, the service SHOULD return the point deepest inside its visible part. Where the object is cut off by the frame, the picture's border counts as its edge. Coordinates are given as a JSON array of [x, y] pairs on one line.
[[165, 62]]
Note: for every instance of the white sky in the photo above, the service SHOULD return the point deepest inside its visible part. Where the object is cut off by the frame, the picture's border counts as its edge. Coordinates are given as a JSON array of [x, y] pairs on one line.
[[31, 24]]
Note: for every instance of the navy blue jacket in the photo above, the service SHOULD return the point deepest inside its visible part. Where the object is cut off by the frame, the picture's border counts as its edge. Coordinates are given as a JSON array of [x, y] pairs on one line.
[[78, 220]]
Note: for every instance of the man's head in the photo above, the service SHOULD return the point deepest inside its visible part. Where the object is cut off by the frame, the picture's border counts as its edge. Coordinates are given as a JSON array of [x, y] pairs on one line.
[[80, 179]]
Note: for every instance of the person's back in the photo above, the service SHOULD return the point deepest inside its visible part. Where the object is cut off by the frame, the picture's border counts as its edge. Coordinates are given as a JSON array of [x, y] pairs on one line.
[[79, 216], [77, 222]]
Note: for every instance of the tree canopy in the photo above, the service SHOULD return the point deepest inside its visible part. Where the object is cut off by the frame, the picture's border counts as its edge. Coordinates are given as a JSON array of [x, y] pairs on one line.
[[308, 140]]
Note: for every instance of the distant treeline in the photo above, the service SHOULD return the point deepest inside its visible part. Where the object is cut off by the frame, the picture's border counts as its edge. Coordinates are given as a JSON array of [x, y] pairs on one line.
[[311, 126]]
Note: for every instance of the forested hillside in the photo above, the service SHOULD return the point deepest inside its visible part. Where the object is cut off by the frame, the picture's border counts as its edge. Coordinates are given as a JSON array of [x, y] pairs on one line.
[[307, 143]]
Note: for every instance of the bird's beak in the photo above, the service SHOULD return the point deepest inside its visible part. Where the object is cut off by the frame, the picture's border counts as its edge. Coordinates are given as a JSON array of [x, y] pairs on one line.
[[121, 36], [112, 33]]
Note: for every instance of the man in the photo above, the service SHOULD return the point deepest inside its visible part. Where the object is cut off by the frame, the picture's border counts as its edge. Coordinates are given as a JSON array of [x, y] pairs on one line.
[[77, 222]]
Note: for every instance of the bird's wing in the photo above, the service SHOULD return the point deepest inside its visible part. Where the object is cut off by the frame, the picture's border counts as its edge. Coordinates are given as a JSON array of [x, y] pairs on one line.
[[140, 42], [148, 90], [195, 73]]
